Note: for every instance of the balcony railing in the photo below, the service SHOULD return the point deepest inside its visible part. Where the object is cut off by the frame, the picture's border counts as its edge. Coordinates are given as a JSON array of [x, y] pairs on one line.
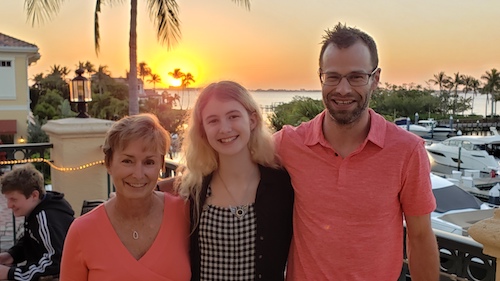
[[461, 259]]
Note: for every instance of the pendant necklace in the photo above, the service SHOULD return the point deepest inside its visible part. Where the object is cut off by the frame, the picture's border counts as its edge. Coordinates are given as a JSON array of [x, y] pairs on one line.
[[135, 235], [238, 211]]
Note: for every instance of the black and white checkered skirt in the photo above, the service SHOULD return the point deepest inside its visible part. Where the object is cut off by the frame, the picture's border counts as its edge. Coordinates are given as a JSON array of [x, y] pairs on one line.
[[227, 244]]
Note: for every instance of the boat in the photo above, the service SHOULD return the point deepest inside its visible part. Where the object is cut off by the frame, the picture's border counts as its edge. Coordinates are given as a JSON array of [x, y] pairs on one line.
[[418, 130], [456, 209], [468, 152], [436, 131]]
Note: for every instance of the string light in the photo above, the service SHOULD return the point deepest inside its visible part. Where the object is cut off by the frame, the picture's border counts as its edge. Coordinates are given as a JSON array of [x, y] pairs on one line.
[[61, 169]]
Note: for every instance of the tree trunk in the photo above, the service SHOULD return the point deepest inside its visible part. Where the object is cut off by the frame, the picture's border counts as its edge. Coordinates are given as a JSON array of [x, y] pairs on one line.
[[133, 99]]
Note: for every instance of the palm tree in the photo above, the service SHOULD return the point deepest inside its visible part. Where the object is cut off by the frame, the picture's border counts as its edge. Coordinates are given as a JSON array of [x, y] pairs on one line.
[[87, 66], [155, 78], [186, 81], [492, 86], [38, 78], [57, 70], [470, 84], [467, 88], [442, 80], [453, 85], [144, 70], [101, 76], [178, 74], [170, 100], [166, 21], [475, 86]]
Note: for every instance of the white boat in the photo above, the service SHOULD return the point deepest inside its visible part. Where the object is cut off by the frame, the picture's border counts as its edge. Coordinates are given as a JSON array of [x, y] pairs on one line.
[[456, 209], [416, 129], [436, 131], [472, 152]]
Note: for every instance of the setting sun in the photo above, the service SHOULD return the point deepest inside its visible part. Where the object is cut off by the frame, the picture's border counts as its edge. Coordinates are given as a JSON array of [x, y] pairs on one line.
[[174, 82], [183, 59]]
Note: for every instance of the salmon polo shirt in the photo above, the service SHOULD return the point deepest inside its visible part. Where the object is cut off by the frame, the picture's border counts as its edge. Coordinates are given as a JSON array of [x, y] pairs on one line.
[[348, 212]]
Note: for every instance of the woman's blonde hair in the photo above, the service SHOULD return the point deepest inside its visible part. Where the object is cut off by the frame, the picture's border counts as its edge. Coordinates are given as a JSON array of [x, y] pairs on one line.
[[143, 126], [201, 158]]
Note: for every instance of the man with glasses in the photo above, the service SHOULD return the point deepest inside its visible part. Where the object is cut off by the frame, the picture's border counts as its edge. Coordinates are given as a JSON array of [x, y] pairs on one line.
[[356, 178]]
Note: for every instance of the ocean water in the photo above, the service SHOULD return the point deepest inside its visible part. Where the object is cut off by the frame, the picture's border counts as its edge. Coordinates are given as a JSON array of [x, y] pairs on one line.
[[267, 99], [264, 99]]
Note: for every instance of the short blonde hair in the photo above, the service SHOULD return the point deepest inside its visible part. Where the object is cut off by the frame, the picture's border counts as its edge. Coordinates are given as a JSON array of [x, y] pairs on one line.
[[143, 126]]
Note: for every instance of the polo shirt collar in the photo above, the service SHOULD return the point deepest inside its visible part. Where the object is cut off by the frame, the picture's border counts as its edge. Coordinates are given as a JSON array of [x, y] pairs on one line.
[[376, 135]]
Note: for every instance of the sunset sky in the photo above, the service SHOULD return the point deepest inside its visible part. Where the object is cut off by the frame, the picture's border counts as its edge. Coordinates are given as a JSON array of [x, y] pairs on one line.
[[276, 43]]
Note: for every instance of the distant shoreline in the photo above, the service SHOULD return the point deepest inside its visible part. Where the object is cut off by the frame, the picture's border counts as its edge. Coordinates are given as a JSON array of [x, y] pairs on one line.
[[251, 90], [283, 90]]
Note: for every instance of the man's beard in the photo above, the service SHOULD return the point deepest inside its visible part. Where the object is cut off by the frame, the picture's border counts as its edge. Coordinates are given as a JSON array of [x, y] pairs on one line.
[[346, 117]]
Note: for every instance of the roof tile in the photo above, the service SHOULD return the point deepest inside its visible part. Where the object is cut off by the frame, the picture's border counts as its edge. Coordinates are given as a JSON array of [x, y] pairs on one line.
[[7, 41]]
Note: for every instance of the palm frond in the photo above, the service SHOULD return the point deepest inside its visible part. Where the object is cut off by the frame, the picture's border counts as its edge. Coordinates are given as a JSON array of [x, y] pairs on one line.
[[244, 3], [40, 11], [165, 14], [97, 34]]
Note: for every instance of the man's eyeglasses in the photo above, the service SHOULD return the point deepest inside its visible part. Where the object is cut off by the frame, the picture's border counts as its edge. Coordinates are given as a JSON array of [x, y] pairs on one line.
[[354, 78]]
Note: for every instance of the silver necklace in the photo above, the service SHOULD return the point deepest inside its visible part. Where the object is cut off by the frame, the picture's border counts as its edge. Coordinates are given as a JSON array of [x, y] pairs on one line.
[[135, 234], [238, 211]]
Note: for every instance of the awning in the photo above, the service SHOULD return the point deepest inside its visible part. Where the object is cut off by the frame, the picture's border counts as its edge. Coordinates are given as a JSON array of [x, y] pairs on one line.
[[8, 127]]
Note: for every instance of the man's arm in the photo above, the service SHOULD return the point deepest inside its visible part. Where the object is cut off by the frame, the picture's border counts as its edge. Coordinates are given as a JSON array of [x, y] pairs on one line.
[[422, 249], [17, 251]]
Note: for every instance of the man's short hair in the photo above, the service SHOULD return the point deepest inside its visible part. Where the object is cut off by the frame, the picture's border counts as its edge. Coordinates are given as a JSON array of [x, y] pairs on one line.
[[23, 178], [343, 36]]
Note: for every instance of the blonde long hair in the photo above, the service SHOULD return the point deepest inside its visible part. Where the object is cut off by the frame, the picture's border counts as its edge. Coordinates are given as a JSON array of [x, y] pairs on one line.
[[201, 158]]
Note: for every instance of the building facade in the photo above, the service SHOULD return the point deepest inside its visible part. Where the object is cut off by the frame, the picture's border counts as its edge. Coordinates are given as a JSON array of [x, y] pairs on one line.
[[15, 58]]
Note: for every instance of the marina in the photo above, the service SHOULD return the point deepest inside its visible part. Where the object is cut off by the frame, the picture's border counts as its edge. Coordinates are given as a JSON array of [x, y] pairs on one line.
[[478, 184]]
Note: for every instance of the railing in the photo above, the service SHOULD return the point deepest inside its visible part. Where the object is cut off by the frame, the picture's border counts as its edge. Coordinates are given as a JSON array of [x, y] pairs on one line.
[[12, 154], [461, 259]]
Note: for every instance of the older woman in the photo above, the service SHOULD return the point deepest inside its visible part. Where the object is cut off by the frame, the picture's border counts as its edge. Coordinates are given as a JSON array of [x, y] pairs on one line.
[[139, 234]]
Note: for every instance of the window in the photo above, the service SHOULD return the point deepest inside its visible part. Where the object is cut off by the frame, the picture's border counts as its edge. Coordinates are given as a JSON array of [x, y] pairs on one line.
[[7, 78], [5, 63]]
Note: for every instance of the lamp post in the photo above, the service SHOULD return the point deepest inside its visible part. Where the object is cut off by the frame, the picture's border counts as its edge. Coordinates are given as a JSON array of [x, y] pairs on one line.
[[79, 93]]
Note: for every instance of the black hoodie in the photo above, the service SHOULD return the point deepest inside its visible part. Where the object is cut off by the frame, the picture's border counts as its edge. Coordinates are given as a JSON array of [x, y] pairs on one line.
[[41, 245]]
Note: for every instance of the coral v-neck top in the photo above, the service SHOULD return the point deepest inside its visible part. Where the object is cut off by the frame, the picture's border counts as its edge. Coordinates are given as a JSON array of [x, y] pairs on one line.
[[93, 251]]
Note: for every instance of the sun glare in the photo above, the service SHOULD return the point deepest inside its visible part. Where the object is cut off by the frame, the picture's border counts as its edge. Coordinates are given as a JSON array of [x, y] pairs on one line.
[[164, 63], [174, 82]]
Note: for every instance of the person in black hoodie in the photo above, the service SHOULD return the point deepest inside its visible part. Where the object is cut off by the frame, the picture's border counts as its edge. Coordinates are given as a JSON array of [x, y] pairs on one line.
[[47, 219]]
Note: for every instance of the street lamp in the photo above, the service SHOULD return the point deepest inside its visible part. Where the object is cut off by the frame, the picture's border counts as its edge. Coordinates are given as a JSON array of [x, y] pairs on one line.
[[79, 92]]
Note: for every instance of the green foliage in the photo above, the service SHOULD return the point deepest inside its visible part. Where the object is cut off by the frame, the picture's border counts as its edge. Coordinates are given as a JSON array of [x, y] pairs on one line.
[[48, 106], [300, 109], [65, 109], [107, 107], [35, 132], [172, 119], [400, 101]]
